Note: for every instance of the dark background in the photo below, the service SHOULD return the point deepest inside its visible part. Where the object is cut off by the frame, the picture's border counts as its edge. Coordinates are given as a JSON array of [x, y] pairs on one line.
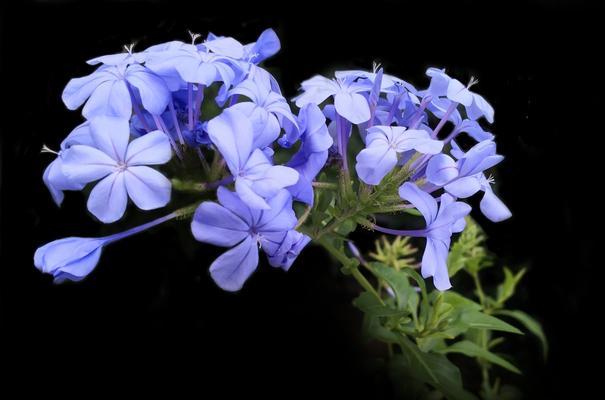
[[150, 315]]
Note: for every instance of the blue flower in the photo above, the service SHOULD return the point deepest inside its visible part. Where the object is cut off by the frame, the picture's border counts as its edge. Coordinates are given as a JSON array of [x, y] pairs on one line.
[[73, 258], [109, 91], [195, 65], [121, 167], [384, 143], [348, 101], [232, 223], [266, 109], [441, 222], [124, 58], [464, 178], [288, 250], [442, 85], [313, 153], [256, 179], [265, 46], [54, 178]]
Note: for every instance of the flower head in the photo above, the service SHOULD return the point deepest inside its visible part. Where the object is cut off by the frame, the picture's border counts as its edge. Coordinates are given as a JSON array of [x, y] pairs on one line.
[[256, 178], [441, 221], [232, 223], [384, 143], [122, 168]]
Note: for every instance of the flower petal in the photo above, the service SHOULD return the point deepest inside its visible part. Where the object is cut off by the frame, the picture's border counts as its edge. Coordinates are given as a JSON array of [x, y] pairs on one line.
[[234, 267], [375, 162], [434, 263], [232, 133], [424, 202], [147, 188], [153, 148], [111, 135], [108, 199], [352, 106], [493, 208], [215, 224], [152, 89], [83, 164], [463, 187], [441, 169]]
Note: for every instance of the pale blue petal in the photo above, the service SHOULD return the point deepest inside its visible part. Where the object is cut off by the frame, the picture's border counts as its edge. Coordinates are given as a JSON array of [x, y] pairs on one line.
[[457, 92], [280, 216], [147, 188], [234, 267], [78, 90], [111, 98], [108, 199], [463, 187], [234, 203], [274, 179], [424, 202], [441, 169], [375, 162], [493, 208], [232, 133], [434, 263], [352, 106], [152, 89], [152, 148], [214, 224], [111, 135], [83, 164], [71, 258], [243, 187]]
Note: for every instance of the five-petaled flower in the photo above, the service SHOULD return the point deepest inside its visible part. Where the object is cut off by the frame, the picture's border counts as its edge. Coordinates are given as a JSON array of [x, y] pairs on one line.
[[234, 223], [465, 177], [121, 166], [384, 143]]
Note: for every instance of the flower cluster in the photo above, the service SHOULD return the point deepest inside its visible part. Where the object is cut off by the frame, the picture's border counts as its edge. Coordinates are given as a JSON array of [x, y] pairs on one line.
[[213, 103]]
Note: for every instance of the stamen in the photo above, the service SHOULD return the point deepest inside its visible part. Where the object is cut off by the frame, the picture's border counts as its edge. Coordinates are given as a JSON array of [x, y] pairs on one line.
[[46, 149], [194, 37], [129, 47], [376, 66], [472, 82]]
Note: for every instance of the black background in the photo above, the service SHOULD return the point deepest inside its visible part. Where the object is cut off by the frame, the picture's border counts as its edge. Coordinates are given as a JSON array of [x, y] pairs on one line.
[[149, 315]]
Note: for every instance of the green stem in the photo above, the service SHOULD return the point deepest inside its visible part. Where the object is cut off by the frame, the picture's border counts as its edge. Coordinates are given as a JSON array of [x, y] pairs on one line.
[[352, 266], [324, 185]]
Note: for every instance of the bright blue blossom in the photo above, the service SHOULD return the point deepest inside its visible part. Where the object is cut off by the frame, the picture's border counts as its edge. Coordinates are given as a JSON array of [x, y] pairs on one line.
[[232, 223], [348, 101], [111, 89], [122, 168], [442, 220], [384, 143], [313, 153], [256, 179], [73, 258], [54, 178], [267, 45], [442, 85], [266, 110], [464, 178]]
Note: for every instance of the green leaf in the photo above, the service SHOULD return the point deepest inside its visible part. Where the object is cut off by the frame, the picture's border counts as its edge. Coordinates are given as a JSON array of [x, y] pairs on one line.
[[479, 320], [507, 288], [471, 349], [370, 305], [459, 301], [530, 324], [398, 281], [434, 369]]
